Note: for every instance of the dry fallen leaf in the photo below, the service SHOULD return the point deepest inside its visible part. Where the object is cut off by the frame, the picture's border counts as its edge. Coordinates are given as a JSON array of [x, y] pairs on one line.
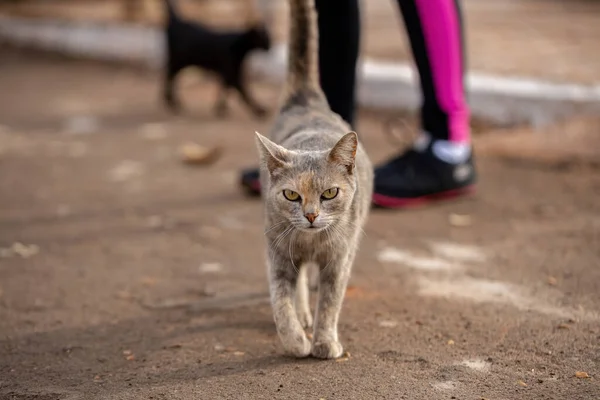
[[552, 281], [238, 353], [582, 375], [219, 347], [460, 220], [149, 281], [521, 383], [193, 153], [124, 295], [563, 326], [345, 357], [353, 291], [130, 357], [210, 268], [450, 342], [23, 250]]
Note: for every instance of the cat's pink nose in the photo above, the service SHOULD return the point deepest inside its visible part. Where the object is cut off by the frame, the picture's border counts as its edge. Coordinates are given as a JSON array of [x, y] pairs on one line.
[[311, 217]]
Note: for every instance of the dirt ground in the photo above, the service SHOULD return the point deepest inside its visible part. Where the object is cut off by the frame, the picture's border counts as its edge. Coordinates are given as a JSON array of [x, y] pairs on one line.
[[556, 40], [140, 277]]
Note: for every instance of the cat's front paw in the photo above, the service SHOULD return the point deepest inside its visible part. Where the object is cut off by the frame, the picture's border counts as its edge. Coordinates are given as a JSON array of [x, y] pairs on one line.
[[305, 318], [297, 345], [327, 349]]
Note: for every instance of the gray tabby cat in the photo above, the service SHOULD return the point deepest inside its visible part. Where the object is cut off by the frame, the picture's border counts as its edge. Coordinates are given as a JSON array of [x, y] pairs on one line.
[[317, 183]]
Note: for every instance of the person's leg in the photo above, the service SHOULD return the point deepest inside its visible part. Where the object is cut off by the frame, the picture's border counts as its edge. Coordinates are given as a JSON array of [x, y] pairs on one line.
[[339, 42], [440, 164], [339, 37]]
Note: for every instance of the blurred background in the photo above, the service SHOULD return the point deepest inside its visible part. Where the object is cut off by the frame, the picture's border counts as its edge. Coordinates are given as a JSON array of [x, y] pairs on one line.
[[131, 263], [553, 39]]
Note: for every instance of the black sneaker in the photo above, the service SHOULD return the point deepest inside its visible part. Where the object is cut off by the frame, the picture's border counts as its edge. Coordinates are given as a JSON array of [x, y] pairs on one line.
[[415, 178], [250, 180]]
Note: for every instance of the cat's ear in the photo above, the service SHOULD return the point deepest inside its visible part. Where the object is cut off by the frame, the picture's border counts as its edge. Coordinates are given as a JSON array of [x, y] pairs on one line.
[[344, 151], [271, 154]]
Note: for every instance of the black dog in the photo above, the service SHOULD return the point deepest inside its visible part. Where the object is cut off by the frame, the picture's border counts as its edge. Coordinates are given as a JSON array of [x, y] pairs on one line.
[[191, 44]]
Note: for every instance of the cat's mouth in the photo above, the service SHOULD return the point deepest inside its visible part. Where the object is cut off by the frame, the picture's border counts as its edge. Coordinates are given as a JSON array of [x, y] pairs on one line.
[[312, 228], [305, 226]]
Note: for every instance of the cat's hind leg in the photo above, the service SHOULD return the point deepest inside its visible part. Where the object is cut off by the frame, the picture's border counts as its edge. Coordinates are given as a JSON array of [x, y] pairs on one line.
[[283, 279], [333, 280], [303, 297]]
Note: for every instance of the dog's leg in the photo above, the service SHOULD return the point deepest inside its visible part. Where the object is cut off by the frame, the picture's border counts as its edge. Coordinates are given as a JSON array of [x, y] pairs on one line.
[[169, 87], [256, 108], [221, 108]]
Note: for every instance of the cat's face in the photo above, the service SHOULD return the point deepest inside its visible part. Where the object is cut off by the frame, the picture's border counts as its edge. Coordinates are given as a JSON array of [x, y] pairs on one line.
[[310, 190]]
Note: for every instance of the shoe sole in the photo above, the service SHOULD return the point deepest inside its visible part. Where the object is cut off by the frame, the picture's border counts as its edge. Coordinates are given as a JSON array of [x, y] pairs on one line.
[[383, 201]]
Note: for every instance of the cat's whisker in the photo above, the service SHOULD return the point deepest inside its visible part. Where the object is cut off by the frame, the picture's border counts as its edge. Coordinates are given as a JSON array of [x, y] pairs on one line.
[[281, 237], [329, 243], [276, 240], [275, 225], [338, 233], [290, 250], [356, 226]]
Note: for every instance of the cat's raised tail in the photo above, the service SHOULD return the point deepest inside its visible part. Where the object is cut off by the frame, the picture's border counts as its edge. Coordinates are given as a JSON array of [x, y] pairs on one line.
[[303, 56]]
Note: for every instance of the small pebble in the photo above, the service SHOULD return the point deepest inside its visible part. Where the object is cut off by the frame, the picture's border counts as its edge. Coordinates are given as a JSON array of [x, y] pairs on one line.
[[209, 268], [460, 220], [388, 324]]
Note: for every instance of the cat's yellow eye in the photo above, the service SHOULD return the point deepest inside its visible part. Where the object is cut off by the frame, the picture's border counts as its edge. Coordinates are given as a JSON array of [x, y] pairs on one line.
[[329, 194], [291, 195]]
